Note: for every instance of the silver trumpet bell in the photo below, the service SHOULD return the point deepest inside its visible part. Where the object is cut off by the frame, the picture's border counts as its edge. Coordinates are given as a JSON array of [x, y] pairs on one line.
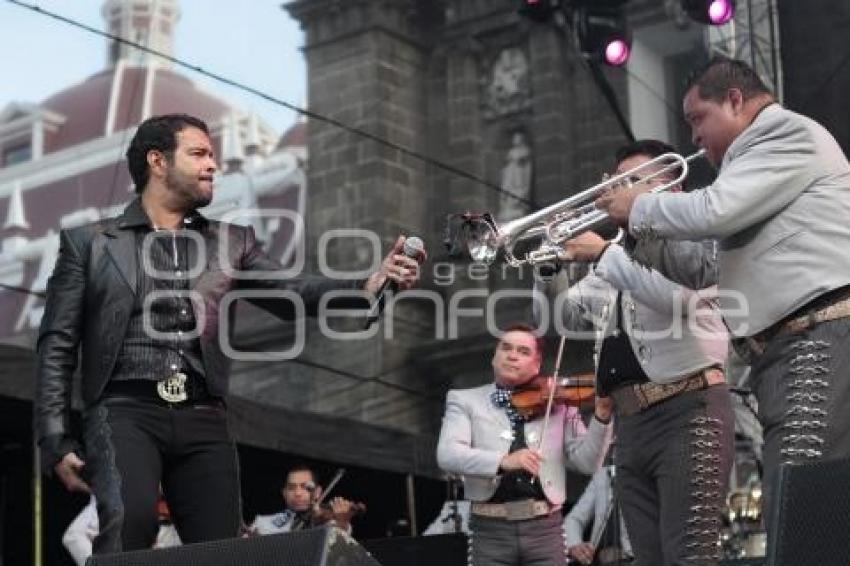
[[565, 219]]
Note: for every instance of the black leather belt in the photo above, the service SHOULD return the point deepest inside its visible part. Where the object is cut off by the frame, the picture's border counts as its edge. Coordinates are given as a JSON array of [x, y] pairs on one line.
[[148, 390]]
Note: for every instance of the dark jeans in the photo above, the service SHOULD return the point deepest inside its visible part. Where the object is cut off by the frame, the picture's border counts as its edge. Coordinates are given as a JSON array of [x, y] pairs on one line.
[[133, 445], [534, 542], [802, 383], [672, 469]]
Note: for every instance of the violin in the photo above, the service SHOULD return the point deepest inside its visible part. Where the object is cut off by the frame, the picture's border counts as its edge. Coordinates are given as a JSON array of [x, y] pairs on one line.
[[324, 513], [530, 400]]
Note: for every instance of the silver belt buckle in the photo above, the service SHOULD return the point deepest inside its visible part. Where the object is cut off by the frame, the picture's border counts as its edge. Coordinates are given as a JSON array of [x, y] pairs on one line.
[[519, 510], [173, 389]]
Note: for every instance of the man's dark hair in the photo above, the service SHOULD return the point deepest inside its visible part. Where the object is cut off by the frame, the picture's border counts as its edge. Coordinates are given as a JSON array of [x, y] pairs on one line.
[[300, 467], [714, 79], [524, 327], [157, 133], [650, 148]]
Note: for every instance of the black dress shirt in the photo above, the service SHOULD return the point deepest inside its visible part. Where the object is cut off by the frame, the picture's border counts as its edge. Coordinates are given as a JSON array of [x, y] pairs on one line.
[[163, 291]]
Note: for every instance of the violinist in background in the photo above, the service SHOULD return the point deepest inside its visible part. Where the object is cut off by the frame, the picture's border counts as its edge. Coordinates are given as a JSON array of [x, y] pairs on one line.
[[515, 483], [660, 347], [609, 543], [301, 495]]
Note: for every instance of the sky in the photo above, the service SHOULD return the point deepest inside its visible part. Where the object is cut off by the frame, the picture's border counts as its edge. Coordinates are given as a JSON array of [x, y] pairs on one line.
[[254, 42]]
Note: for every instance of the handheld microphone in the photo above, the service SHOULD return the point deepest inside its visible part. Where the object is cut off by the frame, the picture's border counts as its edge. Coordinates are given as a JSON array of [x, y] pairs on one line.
[[413, 246]]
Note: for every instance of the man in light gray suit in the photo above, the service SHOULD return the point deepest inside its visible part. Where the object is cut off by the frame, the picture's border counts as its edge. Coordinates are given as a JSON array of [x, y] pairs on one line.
[[659, 350], [516, 483], [779, 209]]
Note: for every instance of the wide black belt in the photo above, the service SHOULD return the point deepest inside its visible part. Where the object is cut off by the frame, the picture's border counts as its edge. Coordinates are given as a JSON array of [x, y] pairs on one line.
[[176, 389]]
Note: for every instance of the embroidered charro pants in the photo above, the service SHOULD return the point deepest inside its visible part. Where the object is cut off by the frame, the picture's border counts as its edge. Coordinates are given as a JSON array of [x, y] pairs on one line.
[[672, 470], [802, 383]]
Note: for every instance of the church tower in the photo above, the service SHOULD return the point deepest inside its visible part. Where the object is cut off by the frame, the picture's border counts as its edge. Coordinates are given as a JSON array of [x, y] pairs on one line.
[[147, 22]]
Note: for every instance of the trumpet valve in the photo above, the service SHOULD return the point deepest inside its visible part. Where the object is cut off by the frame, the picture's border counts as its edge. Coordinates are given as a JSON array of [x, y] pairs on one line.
[[546, 253]]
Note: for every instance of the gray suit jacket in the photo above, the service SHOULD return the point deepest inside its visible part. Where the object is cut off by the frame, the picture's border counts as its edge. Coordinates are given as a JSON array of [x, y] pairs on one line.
[[780, 209], [674, 331], [476, 435]]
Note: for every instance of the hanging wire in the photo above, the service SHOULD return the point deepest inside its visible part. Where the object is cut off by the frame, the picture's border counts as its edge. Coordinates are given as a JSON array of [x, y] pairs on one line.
[[22, 290]]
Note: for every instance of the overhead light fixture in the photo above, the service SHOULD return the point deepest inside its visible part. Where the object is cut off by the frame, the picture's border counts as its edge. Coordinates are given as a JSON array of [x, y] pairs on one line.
[[603, 32], [537, 10], [711, 12]]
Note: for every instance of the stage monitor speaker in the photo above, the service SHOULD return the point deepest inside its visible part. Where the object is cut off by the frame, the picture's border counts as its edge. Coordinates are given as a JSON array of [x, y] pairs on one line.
[[326, 546], [811, 515], [439, 550]]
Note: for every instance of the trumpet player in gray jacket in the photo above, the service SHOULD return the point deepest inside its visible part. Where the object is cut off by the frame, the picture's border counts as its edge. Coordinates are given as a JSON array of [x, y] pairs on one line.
[[779, 211], [660, 347]]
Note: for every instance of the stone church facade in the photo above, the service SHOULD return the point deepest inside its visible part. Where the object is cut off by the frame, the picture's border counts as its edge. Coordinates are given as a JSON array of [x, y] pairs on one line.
[[469, 84], [482, 111]]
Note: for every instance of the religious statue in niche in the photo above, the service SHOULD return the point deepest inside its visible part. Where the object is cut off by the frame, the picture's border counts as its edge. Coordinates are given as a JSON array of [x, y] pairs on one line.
[[507, 84], [516, 180]]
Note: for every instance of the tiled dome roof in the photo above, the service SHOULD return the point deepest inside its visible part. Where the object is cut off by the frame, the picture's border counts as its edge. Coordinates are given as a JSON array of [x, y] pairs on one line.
[[115, 99]]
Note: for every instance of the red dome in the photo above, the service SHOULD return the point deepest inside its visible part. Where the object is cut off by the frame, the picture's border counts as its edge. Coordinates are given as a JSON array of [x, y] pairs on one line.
[[88, 107], [294, 136]]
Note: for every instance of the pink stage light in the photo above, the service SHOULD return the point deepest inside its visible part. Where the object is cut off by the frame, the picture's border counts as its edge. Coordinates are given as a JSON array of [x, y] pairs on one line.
[[720, 12], [617, 52]]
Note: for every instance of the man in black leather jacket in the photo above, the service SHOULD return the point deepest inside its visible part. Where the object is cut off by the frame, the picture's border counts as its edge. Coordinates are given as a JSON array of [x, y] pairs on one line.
[[138, 299]]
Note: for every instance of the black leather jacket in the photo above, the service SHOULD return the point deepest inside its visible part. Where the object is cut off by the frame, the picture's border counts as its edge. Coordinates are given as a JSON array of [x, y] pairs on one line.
[[91, 294]]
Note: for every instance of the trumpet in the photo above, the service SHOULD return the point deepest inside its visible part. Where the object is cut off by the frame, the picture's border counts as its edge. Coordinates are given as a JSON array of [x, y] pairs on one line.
[[565, 219]]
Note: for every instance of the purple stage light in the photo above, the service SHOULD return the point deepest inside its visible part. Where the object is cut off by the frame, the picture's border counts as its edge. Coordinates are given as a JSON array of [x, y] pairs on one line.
[[720, 12], [617, 52]]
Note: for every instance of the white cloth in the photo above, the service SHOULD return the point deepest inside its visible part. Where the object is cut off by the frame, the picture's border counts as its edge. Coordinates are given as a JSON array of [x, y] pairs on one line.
[[277, 523], [80, 534], [444, 523], [167, 537], [273, 524]]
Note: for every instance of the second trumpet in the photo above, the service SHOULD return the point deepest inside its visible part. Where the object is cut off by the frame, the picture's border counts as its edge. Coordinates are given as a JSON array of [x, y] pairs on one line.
[[568, 218]]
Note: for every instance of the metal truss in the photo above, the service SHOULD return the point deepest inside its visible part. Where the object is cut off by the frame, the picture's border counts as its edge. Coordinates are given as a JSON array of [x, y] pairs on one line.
[[752, 36]]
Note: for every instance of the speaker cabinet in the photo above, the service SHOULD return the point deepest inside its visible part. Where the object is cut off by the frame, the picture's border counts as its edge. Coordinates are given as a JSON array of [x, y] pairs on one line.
[[811, 515], [326, 546], [436, 550]]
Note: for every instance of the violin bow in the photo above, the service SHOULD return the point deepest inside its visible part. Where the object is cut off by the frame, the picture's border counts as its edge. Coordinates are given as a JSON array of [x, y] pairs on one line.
[[338, 476], [551, 399]]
